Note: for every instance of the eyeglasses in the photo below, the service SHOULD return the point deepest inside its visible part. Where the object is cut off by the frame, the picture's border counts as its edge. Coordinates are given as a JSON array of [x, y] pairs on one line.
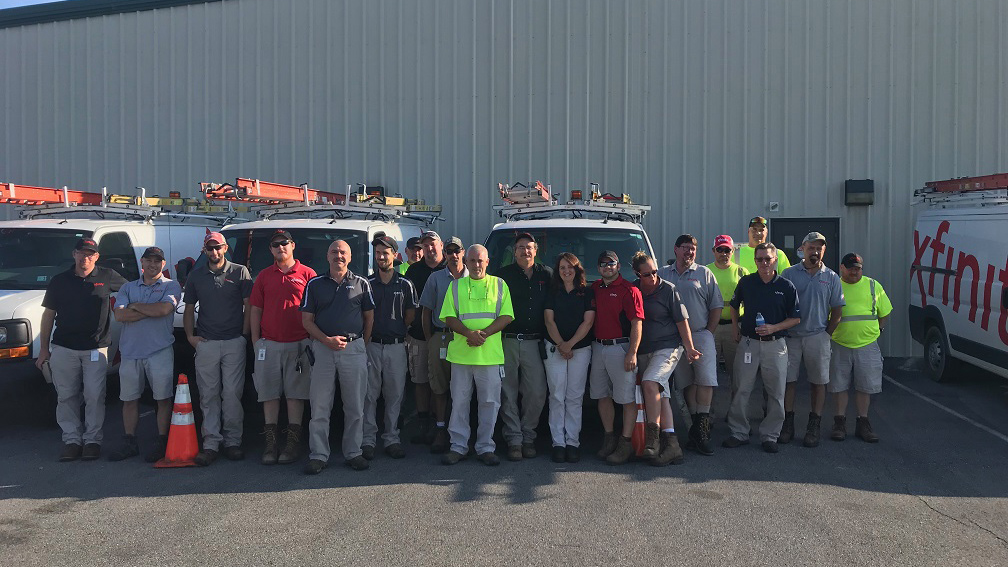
[[280, 243], [764, 259], [214, 247], [647, 275], [723, 250], [608, 264]]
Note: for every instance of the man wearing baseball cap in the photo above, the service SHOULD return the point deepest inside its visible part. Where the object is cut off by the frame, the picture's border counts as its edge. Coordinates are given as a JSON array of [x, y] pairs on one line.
[[820, 297], [413, 252], [856, 354], [279, 344], [758, 231], [77, 303], [222, 289], [416, 341], [146, 309], [727, 273]]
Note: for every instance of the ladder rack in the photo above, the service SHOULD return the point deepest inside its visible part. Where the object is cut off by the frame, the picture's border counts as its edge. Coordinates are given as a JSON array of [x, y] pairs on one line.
[[534, 201], [981, 191]]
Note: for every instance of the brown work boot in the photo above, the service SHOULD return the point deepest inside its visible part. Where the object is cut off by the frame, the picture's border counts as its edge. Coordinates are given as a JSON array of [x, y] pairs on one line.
[[839, 432], [863, 431], [651, 442], [269, 456], [787, 430], [608, 445], [292, 449], [671, 452], [812, 430], [624, 450]]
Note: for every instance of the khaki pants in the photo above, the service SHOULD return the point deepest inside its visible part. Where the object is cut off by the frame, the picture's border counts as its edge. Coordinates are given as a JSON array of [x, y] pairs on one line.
[[524, 376], [79, 376], [386, 378], [486, 382], [771, 359], [438, 368], [220, 377], [350, 365]]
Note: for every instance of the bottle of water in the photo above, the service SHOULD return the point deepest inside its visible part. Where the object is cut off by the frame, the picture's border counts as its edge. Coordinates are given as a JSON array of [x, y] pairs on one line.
[[760, 321]]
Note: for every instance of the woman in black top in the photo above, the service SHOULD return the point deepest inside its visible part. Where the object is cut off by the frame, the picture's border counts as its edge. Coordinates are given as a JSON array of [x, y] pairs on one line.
[[570, 314]]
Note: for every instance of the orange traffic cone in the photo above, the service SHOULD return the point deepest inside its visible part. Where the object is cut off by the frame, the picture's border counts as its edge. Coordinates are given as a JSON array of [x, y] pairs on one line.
[[182, 443], [637, 439]]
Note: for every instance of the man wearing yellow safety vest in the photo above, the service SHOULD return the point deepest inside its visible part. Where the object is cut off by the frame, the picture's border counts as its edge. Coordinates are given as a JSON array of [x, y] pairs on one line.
[[727, 274], [856, 352], [476, 308], [758, 235]]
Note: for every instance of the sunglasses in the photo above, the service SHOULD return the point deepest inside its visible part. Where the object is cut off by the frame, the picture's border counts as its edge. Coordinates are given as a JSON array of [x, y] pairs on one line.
[[647, 275], [607, 264], [723, 250], [214, 247], [764, 259], [279, 243]]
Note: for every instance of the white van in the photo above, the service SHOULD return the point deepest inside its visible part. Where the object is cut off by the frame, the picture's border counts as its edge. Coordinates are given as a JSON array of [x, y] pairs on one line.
[[959, 275]]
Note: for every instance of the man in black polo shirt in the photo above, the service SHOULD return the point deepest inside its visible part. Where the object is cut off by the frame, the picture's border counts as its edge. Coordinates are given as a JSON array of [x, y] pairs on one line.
[[771, 308], [524, 374], [77, 301], [416, 342], [395, 306]]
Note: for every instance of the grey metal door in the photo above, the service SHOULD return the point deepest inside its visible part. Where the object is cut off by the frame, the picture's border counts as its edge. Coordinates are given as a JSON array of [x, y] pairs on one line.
[[787, 234]]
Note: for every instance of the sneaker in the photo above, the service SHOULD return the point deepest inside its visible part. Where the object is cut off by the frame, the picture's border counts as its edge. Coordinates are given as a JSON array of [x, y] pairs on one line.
[[489, 459], [770, 446], [292, 449], [234, 453], [573, 454], [359, 463], [442, 441], [701, 443], [671, 453], [451, 458], [839, 432], [129, 449], [367, 451], [624, 450], [91, 452], [733, 442], [559, 455], [158, 451], [270, 451], [395, 451], [862, 431], [812, 430], [314, 466], [424, 426], [528, 450], [787, 430], [205, 458], [514, 452], [70, 452], [608, 445], [652, 443]]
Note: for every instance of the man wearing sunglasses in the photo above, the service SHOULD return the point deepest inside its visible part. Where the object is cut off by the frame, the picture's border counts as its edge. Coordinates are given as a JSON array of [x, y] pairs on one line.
[[758, 234], [727, 273], [279, 341], [771, 308], [222, 289]]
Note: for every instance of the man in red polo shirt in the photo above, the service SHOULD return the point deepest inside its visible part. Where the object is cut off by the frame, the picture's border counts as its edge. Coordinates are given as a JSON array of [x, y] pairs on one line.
[[619, 310], [278, 343]]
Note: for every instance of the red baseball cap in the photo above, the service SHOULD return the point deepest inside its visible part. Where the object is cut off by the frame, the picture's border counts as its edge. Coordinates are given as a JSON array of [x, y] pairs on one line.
[[723, 240], [214, 237]]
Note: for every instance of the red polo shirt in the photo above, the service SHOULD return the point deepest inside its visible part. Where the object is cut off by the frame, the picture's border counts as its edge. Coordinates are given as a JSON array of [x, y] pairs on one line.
[[278, 294], [616, 305]]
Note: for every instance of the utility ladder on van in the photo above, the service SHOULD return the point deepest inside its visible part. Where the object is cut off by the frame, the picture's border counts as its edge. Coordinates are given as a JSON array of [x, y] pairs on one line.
[[536, 201], [981, 191]]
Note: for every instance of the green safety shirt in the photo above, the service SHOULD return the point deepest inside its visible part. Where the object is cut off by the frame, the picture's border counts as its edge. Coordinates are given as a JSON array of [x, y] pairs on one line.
[[727, 279], [477, 304], [866, 302], [403, 266], [747, 259]]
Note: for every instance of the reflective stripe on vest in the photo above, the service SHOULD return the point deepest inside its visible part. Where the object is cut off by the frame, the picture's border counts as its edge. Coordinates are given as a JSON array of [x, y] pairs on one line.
[[874, 303], [485, 315]]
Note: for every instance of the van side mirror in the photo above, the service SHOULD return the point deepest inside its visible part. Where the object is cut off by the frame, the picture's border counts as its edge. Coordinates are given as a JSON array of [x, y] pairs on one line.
[[182, 269]]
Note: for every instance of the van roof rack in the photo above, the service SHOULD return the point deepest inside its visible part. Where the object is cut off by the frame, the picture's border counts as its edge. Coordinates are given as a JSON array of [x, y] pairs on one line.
[[980, 191], [536, 201]]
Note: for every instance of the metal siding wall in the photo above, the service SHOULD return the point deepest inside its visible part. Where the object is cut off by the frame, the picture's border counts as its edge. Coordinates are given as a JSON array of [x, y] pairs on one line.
[[706, 110]]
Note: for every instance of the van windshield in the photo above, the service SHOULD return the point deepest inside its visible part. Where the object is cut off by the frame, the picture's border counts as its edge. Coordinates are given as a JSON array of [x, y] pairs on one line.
[[30, 257], [251, 247], [585, 243]]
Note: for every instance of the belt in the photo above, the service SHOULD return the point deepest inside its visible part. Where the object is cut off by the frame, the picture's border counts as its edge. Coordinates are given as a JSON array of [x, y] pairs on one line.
[[348, 336], [724, 322], [767, 338], [613, 341], [523, 336], [388, 341]]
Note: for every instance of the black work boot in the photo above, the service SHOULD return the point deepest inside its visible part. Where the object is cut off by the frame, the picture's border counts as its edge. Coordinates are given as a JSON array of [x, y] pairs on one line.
[[157, 452], [787, 430], [691, 436], [269, 456], [812, 430], [424, 427], [128, 449], [702, 442]]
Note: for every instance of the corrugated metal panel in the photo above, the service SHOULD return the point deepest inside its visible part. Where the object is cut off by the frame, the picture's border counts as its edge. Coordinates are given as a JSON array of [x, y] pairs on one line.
[[707, 110]]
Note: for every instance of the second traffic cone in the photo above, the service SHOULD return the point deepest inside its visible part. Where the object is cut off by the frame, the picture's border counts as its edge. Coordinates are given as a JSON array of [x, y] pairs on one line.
[[182, 442], [638, 437]]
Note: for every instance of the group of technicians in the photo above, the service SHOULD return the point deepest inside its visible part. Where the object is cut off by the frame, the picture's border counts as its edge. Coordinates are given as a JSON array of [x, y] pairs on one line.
[[514, 340]]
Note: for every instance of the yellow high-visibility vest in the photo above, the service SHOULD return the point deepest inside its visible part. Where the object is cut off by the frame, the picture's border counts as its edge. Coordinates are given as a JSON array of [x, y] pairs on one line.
[[477, 303]]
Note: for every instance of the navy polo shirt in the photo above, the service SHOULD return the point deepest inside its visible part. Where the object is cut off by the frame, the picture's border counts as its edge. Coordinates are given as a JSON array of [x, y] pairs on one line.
[[569, 309], [338, 305], [777, 300], [392, 300], [82, 307]]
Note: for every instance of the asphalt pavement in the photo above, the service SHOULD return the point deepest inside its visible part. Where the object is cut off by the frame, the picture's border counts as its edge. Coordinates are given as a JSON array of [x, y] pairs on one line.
[[933, 492]]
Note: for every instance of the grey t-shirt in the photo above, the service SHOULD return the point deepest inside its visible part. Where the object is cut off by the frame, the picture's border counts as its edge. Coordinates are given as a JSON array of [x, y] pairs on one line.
[[698, 290], [338, 306], [662, 310], [817, 293], [221, 297], [435, 291], [140, 339]]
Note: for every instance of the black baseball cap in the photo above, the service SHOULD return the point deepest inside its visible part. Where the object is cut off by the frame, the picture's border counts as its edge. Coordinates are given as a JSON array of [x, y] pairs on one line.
[[281, 233], [413, 242], [524, 236], [86, 244], [851, 260], [385, 240], [608, 255], [153, 252]]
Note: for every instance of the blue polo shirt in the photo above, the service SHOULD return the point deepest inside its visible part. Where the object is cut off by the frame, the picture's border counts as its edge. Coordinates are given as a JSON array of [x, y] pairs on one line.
[[777, 300], [140, 339]]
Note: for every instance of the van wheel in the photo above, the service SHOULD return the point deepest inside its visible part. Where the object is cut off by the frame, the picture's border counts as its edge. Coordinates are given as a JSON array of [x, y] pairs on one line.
[[941, 366]]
